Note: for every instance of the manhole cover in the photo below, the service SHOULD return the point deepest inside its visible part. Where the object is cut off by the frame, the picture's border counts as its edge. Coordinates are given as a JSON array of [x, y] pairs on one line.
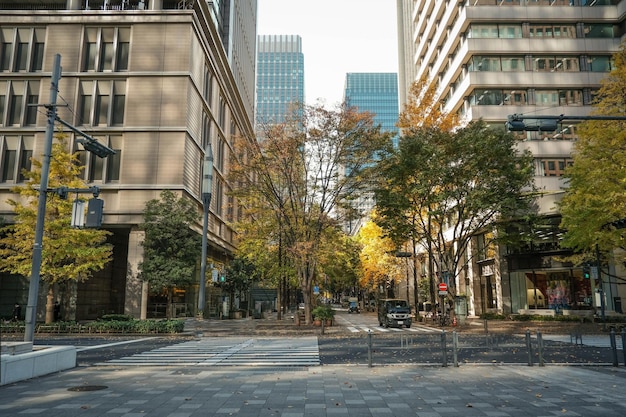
[[88, 388]]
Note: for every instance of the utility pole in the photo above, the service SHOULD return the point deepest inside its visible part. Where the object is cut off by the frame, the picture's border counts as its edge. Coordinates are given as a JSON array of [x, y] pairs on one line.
[[91, 145], [207, 189]]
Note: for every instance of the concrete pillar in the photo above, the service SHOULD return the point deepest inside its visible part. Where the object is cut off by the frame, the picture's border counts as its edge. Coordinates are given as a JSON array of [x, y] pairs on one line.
[[73, 4], [133, 305], [156, 5]]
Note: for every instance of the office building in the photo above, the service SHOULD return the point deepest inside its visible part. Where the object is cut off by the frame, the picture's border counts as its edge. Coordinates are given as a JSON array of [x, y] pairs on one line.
[[493, 58], [280, 77], [158, 81], [375, 93]]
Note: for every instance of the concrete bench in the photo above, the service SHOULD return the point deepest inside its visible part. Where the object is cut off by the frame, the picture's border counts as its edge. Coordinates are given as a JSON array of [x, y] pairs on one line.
[[537, 312]]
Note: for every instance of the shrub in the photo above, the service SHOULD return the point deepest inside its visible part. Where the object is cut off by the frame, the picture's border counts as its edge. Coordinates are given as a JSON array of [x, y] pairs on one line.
[[116, 317], [492, 316], [323, 312]]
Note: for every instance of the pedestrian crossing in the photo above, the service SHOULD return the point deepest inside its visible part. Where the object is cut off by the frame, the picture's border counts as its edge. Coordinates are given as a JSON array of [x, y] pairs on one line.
[[379, 329], [229, 351]]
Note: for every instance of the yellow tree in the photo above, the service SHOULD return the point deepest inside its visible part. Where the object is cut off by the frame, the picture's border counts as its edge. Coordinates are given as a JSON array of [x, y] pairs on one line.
[[424, 109], [380, 266], [597, 179], [68, 255]]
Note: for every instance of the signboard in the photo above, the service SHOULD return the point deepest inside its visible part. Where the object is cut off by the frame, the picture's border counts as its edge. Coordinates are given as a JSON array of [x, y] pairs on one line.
[[443, 288]]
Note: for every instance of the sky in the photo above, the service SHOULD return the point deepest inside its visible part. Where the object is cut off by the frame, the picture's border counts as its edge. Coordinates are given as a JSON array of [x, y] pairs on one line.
[[338, 36]]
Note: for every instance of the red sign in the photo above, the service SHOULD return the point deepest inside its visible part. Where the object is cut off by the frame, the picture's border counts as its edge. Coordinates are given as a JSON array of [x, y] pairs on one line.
[[443, 287]]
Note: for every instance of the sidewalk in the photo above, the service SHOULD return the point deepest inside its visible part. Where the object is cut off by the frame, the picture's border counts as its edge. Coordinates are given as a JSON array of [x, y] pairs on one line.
[[320, 391]]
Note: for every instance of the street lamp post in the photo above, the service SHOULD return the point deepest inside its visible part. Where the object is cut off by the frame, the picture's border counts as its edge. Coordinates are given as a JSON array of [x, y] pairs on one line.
[[207, 188], [91, 145], [33, 288]]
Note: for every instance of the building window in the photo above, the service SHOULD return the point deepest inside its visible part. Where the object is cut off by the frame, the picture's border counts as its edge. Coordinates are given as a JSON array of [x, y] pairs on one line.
[[222, 114], [220, 154], [598, 30], [21, 49], [485, 63], [555, 167], [207, 90], [102, 103], [507, 31], [513, 63], [206, 130], [219, 196], [17, 98], [17, 153], [551, 31], [570, 97], [600, 63], [106, 49], [482, 97], [101, 169]]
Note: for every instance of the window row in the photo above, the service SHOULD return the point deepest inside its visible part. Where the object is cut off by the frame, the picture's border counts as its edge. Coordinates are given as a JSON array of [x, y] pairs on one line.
[[16, 154], [542, 30], [101, 103], [543, 63], [554, 167], [21, 49], [18, 103], [104, 49], [485, 97], [584, 3]]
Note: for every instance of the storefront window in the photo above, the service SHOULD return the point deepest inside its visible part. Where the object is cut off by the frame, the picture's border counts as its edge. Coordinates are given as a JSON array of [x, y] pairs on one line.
[[557, 290]]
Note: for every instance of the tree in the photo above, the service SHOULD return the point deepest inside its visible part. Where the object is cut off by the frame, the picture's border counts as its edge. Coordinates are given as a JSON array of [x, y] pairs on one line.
[[171, 247], [302, 174], [339, 262], [380, 266], [68, 254], [240, 274], [596, 195], [439, 189], [424, 110]]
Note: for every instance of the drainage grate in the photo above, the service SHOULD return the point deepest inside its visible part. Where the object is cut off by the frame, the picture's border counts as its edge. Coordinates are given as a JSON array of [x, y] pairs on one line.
[[88, 388]]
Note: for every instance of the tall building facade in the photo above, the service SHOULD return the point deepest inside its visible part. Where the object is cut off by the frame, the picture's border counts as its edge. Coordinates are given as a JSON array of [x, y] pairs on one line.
[[150, 80], [280, 76], [494, 58], [376, 93]]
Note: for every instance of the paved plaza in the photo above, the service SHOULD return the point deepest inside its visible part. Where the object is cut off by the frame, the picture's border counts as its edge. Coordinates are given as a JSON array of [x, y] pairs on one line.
[[335, 390]]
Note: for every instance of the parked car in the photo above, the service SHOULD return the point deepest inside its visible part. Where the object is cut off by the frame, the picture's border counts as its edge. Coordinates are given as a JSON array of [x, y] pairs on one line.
[[353, 307], [394, 313]]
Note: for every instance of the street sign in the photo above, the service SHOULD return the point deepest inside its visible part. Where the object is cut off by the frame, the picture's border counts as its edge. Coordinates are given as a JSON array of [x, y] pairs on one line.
[[443, 287]]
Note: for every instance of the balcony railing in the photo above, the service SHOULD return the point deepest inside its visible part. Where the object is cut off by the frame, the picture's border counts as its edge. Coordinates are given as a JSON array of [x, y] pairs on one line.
[[582, 3], [120, 5]]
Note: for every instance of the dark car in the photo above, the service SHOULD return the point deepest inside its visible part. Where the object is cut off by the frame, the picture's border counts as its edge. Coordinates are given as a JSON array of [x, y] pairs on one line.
[[394, 313]]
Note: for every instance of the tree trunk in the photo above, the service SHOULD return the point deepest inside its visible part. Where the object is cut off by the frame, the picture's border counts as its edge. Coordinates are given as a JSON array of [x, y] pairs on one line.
[[279, 301], [50, 304], [170, 306]]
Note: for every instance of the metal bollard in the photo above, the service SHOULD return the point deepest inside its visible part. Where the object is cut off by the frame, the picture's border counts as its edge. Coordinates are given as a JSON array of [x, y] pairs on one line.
[[540, 348], [613, 346], [369, 348], [444, 349], [455, 348], [624, 343], [485, 326], [529, 347]]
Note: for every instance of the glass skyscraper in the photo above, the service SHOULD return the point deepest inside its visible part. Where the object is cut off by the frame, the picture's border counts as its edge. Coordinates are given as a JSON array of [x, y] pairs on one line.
[[377, 93], [280, 76]]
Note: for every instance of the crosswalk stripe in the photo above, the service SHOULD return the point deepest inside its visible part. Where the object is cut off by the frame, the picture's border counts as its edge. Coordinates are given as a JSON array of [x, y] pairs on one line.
[[229, 352]]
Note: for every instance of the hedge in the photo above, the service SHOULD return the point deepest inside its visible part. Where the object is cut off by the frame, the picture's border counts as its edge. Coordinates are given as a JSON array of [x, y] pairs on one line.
[[124, 324]]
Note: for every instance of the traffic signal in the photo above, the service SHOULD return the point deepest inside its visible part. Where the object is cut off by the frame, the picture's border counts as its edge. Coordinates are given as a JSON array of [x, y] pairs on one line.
[[586, 272]]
